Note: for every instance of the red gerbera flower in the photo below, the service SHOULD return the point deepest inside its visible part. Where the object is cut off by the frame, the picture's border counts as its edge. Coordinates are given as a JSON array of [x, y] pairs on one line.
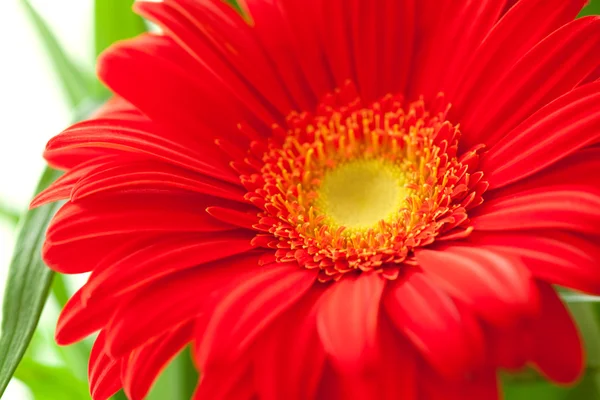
[[335, 199]]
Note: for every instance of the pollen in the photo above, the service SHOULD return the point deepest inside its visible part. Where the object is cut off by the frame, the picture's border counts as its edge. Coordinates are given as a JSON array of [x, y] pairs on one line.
[[360, 194], [357, 188]]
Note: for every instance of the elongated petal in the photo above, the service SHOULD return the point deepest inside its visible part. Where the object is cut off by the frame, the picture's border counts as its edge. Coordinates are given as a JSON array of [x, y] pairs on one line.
[[452, 40], [225, 53], [396, 354], [333, 22], [541, 208], [234, 217], [391, 23], [348, 318], [145, 176], [248, 307], [61, 188], [556, 257], [142, 366], [483, 385], [141, 139], [224, 383], [299, 17], [534, 80], [433, 323], [78, 320], [558, 355], [497, 287], [292, 341], [554, 132], [104, 372], [77, 157], [75, 226], [191, 97], [508, 41], [393, 376], [172, 300], [510, 348], [153, 260], [272, 32]]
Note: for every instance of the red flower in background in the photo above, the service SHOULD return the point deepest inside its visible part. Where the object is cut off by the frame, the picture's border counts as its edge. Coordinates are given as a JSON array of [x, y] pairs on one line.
[[335, 199]]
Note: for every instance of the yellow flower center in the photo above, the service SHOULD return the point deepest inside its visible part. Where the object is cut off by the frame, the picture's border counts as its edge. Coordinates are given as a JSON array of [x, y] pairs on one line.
[[361, 193], [358, 188]]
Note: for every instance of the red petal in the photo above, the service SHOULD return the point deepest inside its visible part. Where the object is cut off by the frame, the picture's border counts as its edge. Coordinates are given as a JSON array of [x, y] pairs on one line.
[[78, 320], [146, 177], [483, 385], [396, 37], [272, 32], [114, 108], [510, 348], [332, 20], [62, 187], [380, 44], [155, 259], [234, 217], [554, 132], [393, 376], [557, 348], [432, 322], [226, 57], [291, 341], [144, 364], [173, 300], [497, 287], [451, 43], [535, 80], [103, 372], [510, 39], [541, 208], [227, 383], [75, 226], [347, 319], [142, 139], [574, 172], [556, 257], [303, 41], [248, 307]]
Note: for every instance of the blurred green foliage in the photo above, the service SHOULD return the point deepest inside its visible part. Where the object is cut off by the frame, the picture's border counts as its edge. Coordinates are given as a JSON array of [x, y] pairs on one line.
[[593, 8], [113, 21], [75, 82], [8, 213], [51, 382], [27, 287]]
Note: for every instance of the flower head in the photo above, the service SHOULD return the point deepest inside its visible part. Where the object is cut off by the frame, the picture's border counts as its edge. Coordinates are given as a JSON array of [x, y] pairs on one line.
[[335, 200]]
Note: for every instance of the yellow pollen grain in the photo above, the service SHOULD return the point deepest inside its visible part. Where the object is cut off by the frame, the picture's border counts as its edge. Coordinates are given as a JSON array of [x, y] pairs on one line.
[[359, 194]]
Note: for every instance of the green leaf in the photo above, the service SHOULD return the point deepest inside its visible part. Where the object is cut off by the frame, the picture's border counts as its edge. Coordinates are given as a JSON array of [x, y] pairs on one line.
[[119, 396], [77, 354], [234, 4], [114, 20], [60, 291], [27, 286], [48, 382], [76, 83], [178, 381], [593, 8], [531, 385], [534, 390]]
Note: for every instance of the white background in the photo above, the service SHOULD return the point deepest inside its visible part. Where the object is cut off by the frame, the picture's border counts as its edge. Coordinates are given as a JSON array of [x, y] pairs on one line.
[[32, 105]]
